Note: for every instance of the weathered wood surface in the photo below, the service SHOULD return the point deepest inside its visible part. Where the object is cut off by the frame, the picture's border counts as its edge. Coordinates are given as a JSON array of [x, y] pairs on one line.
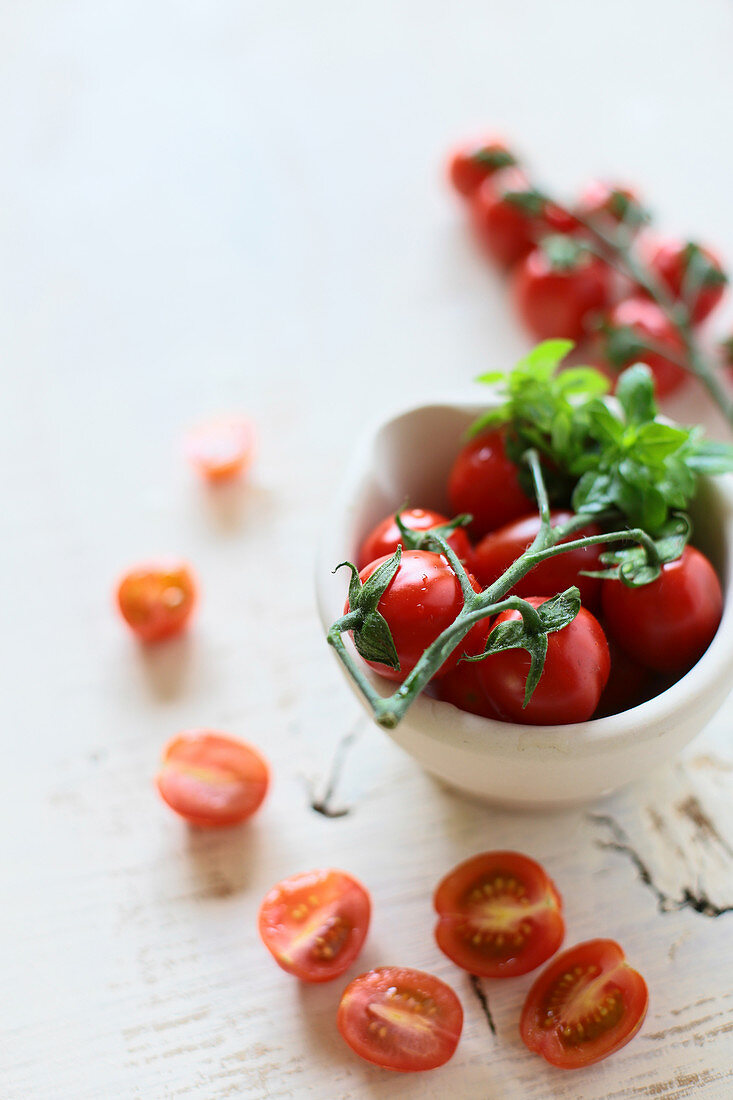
[[232, 206]]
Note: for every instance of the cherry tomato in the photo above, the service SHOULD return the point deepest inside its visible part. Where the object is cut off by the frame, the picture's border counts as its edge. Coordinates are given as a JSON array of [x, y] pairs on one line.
[[500, 549], [557, 297], [314, 924], [157, 599], [671, 261], [384, 539], [470, 165], [506, 230], [400, 1019], [221, 449], [484, 482], [211, 779], [668, 624], [421, 600], [629, 682], [585, 1005], [609, 204], [461, 685], [575, 673], [500, 915], [649, 322]]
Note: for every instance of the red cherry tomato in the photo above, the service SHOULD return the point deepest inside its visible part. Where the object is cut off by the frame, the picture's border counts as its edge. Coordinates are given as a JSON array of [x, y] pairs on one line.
[[462, 686], [500, 549], [667, 625], [575, 673], [649, 322], [505, 229], [605, 203], [585, 1005], [558, 299], [157, 599], [221, 449], [421, 600], [314, 923], [470, 165], [211, 779], [484, 482], [400, 1019], [629, 682], [671, 261], [500, 915], [384, 539]]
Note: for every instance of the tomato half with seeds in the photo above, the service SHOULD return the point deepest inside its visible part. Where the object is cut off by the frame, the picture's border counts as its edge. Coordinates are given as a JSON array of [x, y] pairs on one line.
[[484, 482], [586, 1005], [211, 779], [384, 539], [314, 923], [221, 449], [401, 1019], [156, 599], [500, 915]]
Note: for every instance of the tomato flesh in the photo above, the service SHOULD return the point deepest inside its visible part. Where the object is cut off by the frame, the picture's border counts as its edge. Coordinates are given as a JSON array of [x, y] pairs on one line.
[[586, 1005], [221, 449], [157, 599], [500, 915], [401, 1019], [211, 779], [384, 539], [484, 482], [314, 923]]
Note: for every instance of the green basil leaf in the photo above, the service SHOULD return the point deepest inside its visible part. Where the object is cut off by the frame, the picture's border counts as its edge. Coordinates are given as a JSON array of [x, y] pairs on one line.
[[635, 393]]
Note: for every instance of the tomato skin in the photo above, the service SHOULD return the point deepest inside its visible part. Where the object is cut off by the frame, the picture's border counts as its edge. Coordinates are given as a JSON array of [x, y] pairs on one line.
[[599, 204], [156, 599], [484, 482], [508, 902], [570, 994], [576, 669], [649, 321], [222, 449], [505, 230], [559, 301], [421, 600], [314, 923], [669, 260], [384, 539], [461, 685], [500, 549], [212, 780], [629, 682], [667, 625], [375, 1013], [465, 170]]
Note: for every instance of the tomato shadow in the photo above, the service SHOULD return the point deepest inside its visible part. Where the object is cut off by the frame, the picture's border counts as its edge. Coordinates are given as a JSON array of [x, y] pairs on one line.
[[166, 665], [233, 505], [223, 862]]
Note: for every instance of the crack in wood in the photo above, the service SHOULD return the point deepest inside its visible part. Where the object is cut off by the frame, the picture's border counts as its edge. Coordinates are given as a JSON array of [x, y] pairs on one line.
[[697, 901], [323, 804], [693, 811], [483, 1000]]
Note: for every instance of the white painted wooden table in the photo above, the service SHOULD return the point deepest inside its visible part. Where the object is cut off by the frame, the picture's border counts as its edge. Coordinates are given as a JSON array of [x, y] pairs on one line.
[[219, 205]]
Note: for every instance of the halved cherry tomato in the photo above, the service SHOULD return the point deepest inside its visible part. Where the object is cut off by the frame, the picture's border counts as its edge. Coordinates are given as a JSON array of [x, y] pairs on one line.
[[385, 537], [470, 165], [649, 322], [500, 915], [221, 449], [421, 600], [667, 625], [212, 779], [585, 1005], [500, 549], [314, 923], [157, 599], [506, 229], [484, 482], [672, 261], [576, 669], [603, 204], [557, 289], [400, 1019]]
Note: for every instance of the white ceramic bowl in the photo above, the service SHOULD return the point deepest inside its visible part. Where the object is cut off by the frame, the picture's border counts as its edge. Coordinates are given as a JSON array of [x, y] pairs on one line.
[[408, 456]]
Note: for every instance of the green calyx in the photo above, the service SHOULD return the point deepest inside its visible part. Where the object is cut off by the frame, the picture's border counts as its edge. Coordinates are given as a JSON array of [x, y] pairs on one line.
[[564, 253], [372, 636], [493, 157]]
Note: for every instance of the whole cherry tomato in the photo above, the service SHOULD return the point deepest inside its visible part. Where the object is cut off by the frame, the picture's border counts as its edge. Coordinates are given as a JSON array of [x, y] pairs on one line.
[[558, 287], [668, 624], [584, 1006], [211, 779], [157, 599], [629, 683], [648, 322], [400, 1019], [500, 549], [609, 205], [508, 230], [576, 669], [693, 274], [314, 923], [385, 537], [462, 686], [470, 165], [421, 600], [484, 482], [500, 915], [221, 449]]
